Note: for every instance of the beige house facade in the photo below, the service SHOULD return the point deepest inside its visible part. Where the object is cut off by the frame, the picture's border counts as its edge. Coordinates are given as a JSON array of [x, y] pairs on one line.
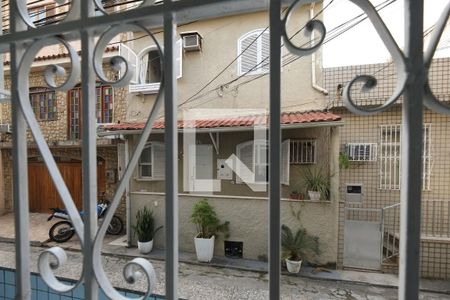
[[223, 88]]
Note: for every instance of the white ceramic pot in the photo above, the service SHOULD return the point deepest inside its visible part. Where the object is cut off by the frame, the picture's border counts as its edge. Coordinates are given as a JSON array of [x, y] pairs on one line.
[[313, 195], [293, 266], [145, 247], [204, 249]]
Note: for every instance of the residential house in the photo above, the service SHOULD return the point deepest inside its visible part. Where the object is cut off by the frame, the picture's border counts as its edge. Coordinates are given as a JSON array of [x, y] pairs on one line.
[[59, 116], [229, 117], [370, 186]]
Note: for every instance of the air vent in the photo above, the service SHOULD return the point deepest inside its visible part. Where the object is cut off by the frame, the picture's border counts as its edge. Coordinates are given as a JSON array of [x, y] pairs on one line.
[[192, 41]]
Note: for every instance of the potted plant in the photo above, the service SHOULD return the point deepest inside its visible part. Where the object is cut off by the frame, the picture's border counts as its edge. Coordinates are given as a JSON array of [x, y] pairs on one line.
[[208, 225], [317, 184], [297, 247], [294, 195], [145, 229]]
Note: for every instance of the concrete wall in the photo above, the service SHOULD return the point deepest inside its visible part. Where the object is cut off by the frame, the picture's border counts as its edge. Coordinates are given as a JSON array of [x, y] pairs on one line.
[[248, 219]]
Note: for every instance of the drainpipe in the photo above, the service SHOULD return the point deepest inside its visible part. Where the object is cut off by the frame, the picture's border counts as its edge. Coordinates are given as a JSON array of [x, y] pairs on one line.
[[313, 59], [127, 193]]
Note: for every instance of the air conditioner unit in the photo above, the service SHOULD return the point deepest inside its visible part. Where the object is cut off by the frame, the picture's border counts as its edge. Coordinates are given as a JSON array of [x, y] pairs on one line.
[[192, 41], [5, 128], [362, 151]]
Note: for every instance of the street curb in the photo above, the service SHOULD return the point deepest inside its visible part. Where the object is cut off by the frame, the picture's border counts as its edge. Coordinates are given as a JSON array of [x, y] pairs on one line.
[[240, 268]]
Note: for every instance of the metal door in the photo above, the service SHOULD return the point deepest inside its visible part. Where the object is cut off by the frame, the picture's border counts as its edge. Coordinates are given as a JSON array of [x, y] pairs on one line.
[[362, 238]]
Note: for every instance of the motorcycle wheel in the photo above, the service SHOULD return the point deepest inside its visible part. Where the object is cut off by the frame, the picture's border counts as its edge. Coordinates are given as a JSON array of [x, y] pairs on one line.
[[61, 232], [116, 226]]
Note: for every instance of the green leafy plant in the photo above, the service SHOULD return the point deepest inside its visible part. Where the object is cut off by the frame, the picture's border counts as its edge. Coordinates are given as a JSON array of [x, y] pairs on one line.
[[205, 219], [344, 161], [316, 181], [299, 246], [145, 228]]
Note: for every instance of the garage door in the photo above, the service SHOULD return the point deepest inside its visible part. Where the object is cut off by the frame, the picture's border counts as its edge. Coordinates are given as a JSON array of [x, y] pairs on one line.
[[42, 191]]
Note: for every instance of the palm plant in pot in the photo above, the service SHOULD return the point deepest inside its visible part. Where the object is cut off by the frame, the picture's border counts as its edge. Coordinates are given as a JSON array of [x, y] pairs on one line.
[[317, 184], [208, 225], [145, 229], [297, 247]]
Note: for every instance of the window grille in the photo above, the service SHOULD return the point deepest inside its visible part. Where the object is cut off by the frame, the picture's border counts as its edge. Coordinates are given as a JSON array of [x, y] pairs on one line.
[[390, 160], [43, 102], [303, 151], [362, 151], [254, 47]]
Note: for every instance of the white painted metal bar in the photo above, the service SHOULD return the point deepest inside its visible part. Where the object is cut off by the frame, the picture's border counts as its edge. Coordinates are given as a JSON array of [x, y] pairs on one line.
[[20, 165], [411, 139], [171, 140], [275, 151], [89, 151]]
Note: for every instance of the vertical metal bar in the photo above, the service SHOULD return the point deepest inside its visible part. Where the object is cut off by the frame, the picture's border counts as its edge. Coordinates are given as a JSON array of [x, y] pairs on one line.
[[20, 161], [171, 138], [89, 151], [275, 151], [412, 116]]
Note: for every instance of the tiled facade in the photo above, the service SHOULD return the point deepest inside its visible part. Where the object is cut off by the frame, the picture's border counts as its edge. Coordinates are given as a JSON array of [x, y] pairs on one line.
[[435, 251]]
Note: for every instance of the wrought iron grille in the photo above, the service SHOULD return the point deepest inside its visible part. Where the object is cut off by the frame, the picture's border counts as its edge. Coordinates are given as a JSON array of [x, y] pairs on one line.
[[25, 39]]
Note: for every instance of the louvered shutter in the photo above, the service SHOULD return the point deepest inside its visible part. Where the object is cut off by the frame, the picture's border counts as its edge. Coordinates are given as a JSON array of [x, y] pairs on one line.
[[179, 58], [143, 66], [132, 59], [285, 154], [265, 52], [159, 161], [245, 152], [249, 57]]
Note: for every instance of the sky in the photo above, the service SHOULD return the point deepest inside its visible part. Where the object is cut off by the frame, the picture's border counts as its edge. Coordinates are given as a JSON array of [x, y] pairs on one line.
[[361, 44]]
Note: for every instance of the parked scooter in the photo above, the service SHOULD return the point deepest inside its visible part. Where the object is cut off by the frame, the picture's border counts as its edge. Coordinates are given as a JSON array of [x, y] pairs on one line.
[[63, 231]]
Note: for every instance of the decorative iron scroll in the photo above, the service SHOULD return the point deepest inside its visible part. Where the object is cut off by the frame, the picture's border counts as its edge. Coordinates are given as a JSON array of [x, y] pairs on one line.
[[53, 258]]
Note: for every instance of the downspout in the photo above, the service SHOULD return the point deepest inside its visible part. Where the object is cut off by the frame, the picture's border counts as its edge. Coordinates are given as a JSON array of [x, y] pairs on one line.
[[126, 159], [313, 59]]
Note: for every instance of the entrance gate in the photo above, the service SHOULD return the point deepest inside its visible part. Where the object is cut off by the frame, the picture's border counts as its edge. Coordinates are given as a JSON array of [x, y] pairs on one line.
[[363, 238]]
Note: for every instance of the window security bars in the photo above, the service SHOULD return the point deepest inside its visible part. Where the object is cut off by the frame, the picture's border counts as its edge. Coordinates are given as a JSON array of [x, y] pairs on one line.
[[81, 21], [362, 151], [302, 152], [390, 157]]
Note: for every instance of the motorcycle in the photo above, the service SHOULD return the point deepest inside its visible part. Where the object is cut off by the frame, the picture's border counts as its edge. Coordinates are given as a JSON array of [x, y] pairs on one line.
[[63, 231]]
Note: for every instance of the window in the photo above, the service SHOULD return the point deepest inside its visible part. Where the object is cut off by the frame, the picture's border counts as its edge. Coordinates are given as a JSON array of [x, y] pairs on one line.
[[362, 151], [38, 15], [303, 151], [104, 108], [254, 155], [253, 52], [152, 162], [390, 160], [43, 101], [148, 69]]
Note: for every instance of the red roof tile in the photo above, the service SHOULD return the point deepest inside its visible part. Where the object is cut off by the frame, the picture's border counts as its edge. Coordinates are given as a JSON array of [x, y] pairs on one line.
[[287, 118]]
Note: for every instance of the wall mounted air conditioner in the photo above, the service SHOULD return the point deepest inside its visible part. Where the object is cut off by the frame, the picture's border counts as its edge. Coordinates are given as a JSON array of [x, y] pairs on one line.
[[362, 151], [192, 41], [5, 128]]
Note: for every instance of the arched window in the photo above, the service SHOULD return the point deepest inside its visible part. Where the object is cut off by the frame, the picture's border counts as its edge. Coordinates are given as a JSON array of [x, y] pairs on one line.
[[255, 49], [255, 156]]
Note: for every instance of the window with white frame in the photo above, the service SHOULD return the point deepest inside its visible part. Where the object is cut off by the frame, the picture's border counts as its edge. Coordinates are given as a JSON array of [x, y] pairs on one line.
[[148, 67], [302, 151], [362, 151], [152, 162], [253, 52], [390, 159], [254, 155]]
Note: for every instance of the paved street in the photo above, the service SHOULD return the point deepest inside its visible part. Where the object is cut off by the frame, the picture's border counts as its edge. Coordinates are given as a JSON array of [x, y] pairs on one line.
[[200, 282]]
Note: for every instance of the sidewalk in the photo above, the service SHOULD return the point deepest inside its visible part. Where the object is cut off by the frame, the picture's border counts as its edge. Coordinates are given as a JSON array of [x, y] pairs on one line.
[[349, 276]]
